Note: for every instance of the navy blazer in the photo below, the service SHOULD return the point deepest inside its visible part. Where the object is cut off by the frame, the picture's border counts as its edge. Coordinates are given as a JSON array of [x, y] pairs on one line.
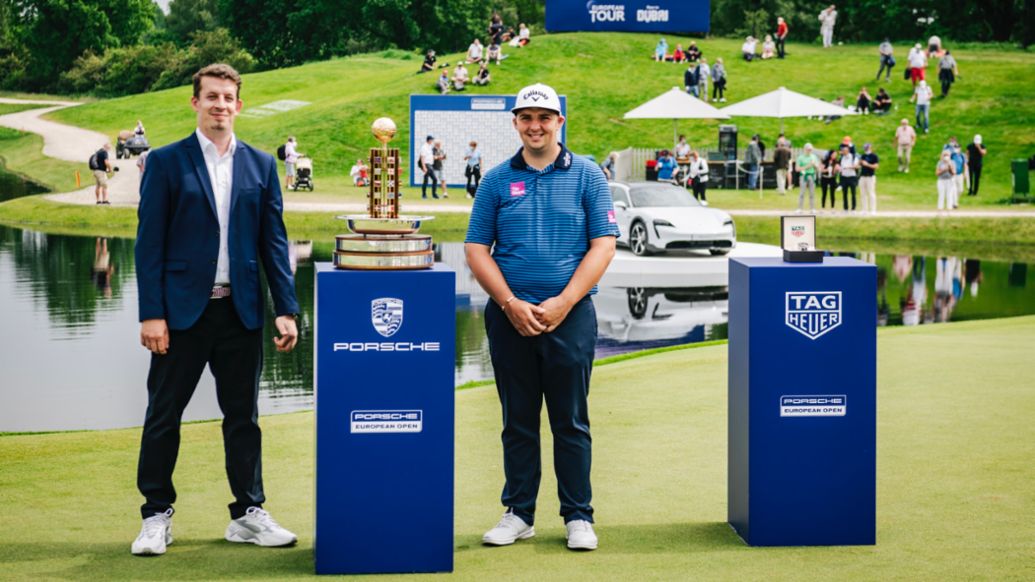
[[178, 236]]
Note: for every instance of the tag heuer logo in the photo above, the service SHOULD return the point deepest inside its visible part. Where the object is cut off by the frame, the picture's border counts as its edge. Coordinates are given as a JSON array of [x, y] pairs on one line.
[[386, 314], [813, 313]]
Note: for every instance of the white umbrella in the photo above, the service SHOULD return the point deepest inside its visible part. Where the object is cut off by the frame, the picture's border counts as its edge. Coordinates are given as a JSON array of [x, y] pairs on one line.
[[783, 103], [675, 104]]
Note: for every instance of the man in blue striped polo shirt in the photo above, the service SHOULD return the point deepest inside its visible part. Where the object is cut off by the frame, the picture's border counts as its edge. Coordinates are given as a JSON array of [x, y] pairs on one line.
[[541, 235]]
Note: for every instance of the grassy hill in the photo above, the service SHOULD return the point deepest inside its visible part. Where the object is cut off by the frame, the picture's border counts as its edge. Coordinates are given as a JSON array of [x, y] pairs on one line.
[[607, 74]]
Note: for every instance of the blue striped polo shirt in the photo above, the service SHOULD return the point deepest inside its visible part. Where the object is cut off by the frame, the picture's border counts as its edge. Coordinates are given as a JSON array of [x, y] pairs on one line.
[[540, 222]]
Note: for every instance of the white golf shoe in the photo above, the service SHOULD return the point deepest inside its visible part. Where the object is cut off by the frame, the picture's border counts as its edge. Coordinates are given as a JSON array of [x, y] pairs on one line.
[[510, 529], [580, 535], [257, 527], [155, 535]]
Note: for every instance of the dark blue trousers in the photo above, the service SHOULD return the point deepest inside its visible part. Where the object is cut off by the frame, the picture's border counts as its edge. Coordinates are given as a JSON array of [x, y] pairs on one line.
[[555, 366]]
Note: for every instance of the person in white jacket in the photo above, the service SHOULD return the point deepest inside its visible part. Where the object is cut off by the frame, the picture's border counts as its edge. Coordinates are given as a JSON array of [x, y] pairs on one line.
[[827, 18]]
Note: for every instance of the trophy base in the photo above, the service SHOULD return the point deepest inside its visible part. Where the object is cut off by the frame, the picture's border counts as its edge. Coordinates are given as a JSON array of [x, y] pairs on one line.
[[366, 224], [802, 256], [382, 243], [384, 261]]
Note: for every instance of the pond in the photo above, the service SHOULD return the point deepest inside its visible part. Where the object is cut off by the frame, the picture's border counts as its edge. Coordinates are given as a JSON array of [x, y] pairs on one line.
[[14, 186], [71, 359]]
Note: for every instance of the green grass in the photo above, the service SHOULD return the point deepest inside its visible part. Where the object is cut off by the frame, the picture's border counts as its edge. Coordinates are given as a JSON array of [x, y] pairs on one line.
[[6, 108], [607, 74], [22, 153], [954, 496]]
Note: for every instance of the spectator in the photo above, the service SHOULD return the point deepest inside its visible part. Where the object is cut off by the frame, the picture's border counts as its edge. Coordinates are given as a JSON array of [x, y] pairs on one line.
[[905, 139], [460, 77], [699, 177], [690, 80], [917, 64], [945, 171], [719, 81], [863, 103], [808, 165], [524, 35], [752, 158], [847, 142], [100, 165], [678, 56], [947, 72], [922, 95], [703, 73], [496, 28], [666, 165], [474, 52], [934, 47], [868, 179], [443, 82], [359, 173], [849, 166], [291, 156], [608, 167], [882, 103], [887, 59], [142, 161], [827, 19], [748, 48], [661, 50], [429, 62], [140, 128], [975, 157], [768, 48], [482, 77], [960, 165], [782, 161], [683, 157], [828, 180], [439, 155], [693, 54], [426, 162], [495, 53], [473, 168], [781, 36]]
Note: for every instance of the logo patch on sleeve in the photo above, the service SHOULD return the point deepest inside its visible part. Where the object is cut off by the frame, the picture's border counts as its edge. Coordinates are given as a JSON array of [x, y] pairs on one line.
[[611, 216]]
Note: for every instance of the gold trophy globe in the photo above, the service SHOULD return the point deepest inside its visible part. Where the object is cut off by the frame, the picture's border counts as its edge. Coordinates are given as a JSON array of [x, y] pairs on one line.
[[383, 239]]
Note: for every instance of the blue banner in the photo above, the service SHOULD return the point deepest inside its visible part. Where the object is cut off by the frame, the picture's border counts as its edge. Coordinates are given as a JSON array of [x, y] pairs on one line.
[[672, 16]]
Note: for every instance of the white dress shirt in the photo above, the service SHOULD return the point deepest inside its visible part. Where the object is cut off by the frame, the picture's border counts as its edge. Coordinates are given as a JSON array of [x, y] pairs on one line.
[[221, 175]]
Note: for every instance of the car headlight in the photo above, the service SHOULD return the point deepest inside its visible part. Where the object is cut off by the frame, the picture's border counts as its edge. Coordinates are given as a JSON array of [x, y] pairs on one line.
[[661, 222], [732, 227]]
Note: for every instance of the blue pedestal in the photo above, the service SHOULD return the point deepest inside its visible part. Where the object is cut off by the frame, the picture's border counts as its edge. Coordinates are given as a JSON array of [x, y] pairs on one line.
[[802, 402], [385, 343]]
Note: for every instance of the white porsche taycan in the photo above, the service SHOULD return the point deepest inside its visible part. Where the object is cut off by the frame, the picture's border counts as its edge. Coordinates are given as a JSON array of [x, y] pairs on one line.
[[658, 217]]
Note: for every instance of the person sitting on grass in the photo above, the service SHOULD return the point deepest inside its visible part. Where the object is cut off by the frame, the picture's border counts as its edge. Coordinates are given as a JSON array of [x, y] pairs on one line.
[[863, 103], [429, 62], [678, 56], [882, 103], [443, 82], [748, 48], [474, 52], [524, 35], [359, 172], [768, 48], [482, 77], [840, 102], [693, 54], [495, 54], [661, 50], [460, 77]]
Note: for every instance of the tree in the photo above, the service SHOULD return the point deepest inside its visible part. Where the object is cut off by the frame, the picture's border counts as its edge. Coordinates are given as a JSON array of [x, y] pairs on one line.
[[189, 16]]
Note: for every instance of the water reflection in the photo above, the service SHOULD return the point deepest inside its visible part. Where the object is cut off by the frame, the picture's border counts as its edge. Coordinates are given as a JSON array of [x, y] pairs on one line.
[[14, 186], [74, 360]]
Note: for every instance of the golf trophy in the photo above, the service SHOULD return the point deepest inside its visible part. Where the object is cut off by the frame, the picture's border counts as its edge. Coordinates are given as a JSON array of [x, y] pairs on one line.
[[381, 239], [798, 239]]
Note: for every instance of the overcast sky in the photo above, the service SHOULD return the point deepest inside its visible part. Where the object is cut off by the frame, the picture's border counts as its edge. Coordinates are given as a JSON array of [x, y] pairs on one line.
[[164, 4]]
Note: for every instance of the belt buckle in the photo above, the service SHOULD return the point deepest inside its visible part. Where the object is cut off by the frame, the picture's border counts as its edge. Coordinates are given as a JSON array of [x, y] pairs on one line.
[[220, 291]]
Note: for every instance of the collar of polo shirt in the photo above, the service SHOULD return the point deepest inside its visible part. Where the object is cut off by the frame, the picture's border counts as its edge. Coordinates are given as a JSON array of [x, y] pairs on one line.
[[563, 161]]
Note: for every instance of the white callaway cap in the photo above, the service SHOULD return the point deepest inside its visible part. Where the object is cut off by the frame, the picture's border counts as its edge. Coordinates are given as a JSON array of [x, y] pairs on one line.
[[537, 95]]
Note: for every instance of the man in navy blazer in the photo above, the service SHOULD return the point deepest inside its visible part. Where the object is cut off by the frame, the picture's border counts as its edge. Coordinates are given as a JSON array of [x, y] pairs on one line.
[[210, 212]]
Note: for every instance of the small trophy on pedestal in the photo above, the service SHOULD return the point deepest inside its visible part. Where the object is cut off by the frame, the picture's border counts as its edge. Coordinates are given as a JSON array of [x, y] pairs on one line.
[[798, 239], [382, 239]]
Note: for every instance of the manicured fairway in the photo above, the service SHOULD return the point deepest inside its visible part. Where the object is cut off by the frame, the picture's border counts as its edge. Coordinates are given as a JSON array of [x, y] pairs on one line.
[[955, 473]]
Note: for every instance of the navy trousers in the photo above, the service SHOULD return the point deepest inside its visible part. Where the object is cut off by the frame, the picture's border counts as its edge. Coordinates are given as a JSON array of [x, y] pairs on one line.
[[555, 366], [234, 354]]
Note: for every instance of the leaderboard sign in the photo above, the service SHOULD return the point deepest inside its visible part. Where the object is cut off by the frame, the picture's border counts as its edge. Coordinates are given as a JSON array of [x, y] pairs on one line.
[[628, 15]]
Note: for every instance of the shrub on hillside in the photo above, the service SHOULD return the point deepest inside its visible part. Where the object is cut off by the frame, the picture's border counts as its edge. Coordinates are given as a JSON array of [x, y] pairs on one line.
[[207, 47]]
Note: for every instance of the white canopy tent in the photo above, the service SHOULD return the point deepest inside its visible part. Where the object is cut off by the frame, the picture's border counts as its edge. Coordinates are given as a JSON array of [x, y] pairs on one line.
[[675, 104], [783, 103]]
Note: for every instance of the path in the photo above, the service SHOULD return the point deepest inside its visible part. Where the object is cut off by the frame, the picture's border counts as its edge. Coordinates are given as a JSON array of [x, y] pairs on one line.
[[76, 145]]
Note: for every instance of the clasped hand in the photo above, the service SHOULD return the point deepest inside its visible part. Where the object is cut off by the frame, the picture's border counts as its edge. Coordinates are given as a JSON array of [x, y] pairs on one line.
[[532, 320]]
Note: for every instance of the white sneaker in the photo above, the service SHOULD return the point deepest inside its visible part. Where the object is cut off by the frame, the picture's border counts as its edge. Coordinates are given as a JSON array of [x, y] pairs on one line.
[[580, 535], [704, 203], [155, 535], [510, 529], [259, 528]]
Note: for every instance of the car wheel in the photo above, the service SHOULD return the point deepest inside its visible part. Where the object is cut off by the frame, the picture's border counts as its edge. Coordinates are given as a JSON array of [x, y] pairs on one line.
[[637, 297], [638, 239], [719, 252]]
